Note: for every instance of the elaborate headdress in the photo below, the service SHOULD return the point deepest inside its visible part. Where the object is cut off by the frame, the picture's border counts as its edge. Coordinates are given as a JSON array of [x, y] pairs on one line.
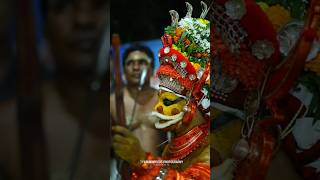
[[249, 44], [247, 62], [184, 60]]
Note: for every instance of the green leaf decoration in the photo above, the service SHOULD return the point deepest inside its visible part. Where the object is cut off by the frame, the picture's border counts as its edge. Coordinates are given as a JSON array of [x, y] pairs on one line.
[[170, 30]]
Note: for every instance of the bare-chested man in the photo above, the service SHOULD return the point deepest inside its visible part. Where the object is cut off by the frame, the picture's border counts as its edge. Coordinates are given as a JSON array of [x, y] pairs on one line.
[[135, 60]]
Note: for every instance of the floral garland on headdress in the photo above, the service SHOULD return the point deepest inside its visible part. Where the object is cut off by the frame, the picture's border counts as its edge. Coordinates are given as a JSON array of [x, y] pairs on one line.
[[185, 57], [191, 38]]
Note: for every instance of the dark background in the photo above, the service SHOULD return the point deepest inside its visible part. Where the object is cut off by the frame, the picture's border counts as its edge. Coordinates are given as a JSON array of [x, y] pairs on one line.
[[146, 19]]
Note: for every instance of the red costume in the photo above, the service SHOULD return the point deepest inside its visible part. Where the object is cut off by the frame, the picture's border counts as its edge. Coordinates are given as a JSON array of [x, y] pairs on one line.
[[183, 72]]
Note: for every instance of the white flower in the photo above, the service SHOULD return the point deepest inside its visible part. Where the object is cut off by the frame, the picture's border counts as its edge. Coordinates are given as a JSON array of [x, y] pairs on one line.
[[205, 103], [199, 32], [186, 23]]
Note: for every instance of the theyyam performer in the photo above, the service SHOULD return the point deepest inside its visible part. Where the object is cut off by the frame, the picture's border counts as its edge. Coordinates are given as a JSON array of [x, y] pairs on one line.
[[182, 108]]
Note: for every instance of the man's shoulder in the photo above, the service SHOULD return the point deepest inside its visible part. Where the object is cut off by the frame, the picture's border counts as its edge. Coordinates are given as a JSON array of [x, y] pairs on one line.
[[112, 100], [124, 89], [112, 95]]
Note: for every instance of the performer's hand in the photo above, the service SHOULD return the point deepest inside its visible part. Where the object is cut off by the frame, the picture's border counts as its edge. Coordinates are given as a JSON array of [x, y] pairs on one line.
[[314, 65], [127, 146]]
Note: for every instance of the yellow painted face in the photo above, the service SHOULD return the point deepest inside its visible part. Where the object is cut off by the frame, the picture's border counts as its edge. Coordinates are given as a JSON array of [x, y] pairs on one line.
[[169, 104]]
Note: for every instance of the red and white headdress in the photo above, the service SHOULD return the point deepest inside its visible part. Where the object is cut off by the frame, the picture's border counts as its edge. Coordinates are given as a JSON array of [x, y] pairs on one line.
[[185, 56], [246, 45]]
